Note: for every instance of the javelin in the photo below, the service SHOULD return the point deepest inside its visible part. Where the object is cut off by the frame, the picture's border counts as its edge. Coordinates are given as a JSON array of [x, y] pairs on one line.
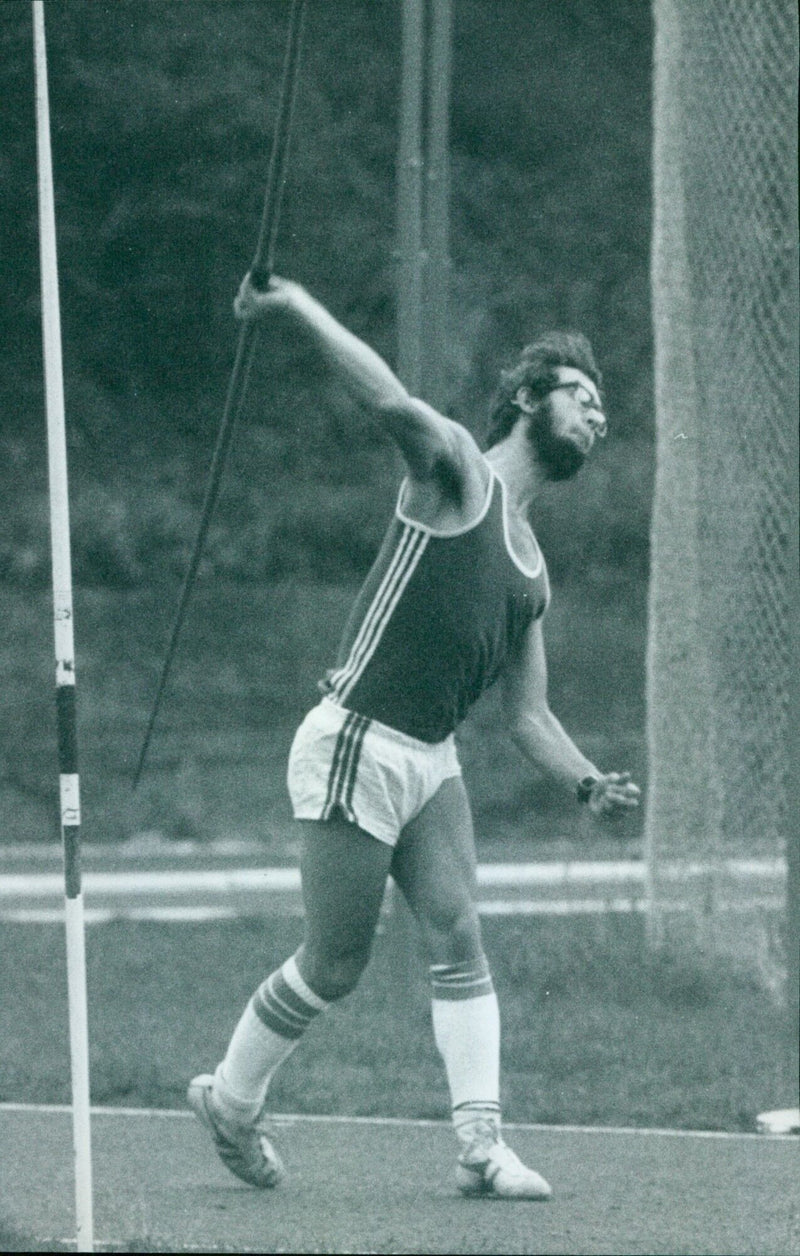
[[260, 271]]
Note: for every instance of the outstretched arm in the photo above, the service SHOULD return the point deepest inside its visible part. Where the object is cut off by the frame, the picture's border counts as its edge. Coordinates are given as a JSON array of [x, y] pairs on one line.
[[425, 437], [543, 740]]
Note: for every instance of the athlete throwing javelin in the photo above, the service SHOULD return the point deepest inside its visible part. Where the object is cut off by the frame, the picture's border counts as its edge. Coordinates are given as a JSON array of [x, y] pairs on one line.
[[454, 601]]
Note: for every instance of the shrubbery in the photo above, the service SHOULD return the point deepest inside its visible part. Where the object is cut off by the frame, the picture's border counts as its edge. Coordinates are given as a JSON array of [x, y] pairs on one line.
[[161, 117]]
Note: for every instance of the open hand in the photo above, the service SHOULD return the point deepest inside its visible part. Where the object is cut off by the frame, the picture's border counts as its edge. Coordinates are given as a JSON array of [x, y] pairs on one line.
[[612, 793]]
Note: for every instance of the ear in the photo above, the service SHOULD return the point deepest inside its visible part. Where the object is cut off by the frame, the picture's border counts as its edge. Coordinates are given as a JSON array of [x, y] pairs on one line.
[[523, 401]]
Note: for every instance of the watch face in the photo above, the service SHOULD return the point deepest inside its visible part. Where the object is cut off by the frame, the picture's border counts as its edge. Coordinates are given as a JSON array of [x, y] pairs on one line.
[[585, 788]]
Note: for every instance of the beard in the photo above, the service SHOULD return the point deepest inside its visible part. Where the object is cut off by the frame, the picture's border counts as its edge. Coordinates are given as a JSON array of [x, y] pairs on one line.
[[559, 457]]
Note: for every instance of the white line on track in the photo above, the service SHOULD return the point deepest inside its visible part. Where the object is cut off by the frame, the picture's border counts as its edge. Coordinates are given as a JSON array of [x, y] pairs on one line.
[[291, 1118], [490, 907], [557, 873], [107, 915], [552, 888], [178, 914]]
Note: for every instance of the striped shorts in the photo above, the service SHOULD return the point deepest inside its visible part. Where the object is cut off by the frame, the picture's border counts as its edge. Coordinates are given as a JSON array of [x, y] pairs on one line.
[[343, 764]]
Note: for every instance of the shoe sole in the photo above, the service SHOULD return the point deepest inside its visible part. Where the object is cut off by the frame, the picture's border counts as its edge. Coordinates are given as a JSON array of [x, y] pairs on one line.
[[473, 1185], [228, 1152]]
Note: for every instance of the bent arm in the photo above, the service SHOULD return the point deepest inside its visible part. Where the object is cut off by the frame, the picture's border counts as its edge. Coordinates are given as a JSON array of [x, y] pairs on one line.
[[532, 725], [425, 437], [541, 738]]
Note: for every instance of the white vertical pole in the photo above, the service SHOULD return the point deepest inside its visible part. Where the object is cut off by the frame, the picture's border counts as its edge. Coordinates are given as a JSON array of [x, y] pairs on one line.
[[69, 790]]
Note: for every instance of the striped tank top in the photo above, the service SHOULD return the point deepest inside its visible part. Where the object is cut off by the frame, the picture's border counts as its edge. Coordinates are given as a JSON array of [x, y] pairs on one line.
[[436, 619]]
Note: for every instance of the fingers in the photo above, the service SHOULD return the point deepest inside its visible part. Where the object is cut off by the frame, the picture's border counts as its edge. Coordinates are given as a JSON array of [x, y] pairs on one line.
[[628, 794], [251, 302], [614, 792], [244, 301]]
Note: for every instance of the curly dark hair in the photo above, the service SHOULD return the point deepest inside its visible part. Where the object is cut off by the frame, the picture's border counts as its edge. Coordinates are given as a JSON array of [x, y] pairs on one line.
[[536, 369]]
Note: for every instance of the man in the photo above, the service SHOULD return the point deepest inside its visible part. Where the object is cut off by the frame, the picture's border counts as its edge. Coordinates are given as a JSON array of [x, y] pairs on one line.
[[454, 600]]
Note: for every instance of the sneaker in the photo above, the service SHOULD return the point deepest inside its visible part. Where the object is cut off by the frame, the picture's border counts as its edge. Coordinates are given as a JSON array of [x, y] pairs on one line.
[[243, 1146], [489, 1167]]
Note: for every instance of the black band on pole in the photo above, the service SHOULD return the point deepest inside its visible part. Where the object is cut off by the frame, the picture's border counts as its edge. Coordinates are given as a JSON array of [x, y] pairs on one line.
[[71, 836], [69, 787], [260, 271], [66, 729]]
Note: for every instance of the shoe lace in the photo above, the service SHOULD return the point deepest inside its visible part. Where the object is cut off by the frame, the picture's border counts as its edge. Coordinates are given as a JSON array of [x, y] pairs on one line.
[[479, 1139], [505, 1158], [482, 1130]]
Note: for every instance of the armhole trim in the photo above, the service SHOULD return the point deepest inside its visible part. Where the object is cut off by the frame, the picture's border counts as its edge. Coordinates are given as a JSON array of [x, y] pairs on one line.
[[442, 532], [526, 571]]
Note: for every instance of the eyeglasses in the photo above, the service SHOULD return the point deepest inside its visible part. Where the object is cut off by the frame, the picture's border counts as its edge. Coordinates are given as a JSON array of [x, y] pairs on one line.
[[586, 399]]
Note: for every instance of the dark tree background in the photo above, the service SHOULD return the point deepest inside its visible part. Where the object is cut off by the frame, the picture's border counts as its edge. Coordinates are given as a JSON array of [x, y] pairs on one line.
[[161, 115]]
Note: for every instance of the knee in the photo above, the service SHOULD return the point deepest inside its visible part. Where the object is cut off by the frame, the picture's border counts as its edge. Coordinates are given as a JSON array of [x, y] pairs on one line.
[[332, 975], [453, 936]]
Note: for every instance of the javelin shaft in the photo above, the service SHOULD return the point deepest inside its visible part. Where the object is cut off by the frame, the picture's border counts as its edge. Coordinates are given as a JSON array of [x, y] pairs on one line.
[[260, 271], [264, 256], [69, 785], [436, 182], [248, 337], [409, 198]]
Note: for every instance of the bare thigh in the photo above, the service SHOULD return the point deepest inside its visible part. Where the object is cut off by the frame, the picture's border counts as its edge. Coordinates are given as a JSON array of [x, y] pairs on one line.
[[434, 865], [343, 871]]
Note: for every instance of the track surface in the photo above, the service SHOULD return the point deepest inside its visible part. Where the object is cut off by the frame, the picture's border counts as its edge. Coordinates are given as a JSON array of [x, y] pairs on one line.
[[385, 1186]]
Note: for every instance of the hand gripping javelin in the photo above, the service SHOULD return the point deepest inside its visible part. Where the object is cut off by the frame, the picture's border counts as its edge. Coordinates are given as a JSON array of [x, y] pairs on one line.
[[260, 271]]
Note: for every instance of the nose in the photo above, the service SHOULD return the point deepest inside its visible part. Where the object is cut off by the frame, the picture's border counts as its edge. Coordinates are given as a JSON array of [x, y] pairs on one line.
[[597, 422]]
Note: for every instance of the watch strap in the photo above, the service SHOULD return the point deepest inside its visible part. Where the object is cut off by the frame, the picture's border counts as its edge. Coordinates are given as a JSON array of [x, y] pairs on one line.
[[585, 787]]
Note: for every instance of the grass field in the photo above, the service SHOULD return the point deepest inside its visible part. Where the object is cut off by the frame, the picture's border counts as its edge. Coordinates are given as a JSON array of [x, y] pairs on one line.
[[596, 1031]]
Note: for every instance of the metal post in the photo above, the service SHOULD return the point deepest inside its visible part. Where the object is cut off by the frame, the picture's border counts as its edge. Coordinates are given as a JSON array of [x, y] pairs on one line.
[[69, 788]]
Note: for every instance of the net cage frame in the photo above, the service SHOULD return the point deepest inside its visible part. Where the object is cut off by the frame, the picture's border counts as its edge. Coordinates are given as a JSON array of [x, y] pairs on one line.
[[722, 807]]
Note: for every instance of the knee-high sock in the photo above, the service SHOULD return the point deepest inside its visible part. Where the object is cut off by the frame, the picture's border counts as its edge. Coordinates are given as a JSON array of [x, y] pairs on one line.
[[270, 1027], [466, 1027]]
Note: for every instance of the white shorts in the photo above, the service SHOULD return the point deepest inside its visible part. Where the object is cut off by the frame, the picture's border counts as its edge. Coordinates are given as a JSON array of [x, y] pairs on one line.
[[342, 763]]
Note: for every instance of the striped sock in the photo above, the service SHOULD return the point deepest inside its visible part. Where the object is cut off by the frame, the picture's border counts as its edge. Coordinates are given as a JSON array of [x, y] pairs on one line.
[[269, 1030], [466, 1027]]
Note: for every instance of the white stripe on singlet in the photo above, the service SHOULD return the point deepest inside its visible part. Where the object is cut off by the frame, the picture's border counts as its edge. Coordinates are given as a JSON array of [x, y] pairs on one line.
[[410, 549]]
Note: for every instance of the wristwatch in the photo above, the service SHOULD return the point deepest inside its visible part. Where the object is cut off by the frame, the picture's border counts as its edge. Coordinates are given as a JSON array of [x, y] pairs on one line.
[[585, 787]]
